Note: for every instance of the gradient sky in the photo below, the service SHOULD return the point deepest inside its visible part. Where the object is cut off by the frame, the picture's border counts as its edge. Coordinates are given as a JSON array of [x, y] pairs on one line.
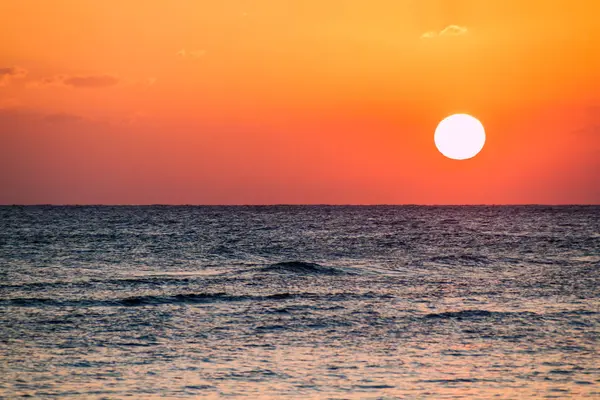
[[300, 101]]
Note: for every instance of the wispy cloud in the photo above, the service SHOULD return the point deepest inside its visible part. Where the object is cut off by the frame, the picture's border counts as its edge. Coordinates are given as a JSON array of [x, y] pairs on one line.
[[9, 103], [450, 30], [81, 81], [49, 81], [134, 118], [10, 115], [591, 121], [183, 53], [62, 118], [91, 81], [7, 74], [453, 30]]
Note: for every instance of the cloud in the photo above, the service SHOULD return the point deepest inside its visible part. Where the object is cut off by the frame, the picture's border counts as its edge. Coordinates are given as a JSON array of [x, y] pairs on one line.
[[9, 103], [49, 81], [18, 113], [62, 118], [453, 30], [450, 30], [134, 118], [429, 35], [91, 81], [85, 81], [183, 53], [9, 73], [590, 121]]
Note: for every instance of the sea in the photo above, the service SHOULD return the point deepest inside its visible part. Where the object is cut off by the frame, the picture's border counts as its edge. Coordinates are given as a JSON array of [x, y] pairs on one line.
[[300, 302]]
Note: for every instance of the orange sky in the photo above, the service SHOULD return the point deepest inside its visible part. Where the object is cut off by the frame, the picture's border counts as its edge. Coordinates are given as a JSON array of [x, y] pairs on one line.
[[300, 101]]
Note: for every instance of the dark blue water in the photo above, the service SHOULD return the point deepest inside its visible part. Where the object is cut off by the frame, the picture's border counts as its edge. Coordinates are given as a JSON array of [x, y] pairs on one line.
[[300, 302]]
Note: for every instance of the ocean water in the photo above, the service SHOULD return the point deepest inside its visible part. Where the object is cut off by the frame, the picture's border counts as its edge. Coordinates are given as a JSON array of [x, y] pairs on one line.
[[297, 302]]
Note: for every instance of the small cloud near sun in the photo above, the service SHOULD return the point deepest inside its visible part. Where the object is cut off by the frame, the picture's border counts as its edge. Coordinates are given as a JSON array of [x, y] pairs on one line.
[[453, 30], [7, 74], [183, 53], [450, 30]]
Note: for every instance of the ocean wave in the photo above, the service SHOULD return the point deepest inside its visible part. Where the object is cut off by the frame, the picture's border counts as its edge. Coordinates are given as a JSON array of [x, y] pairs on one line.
[[470, 314], [305, 268], [458, 380], [183, 298], [461, 259], [148, 281], [126, 302]]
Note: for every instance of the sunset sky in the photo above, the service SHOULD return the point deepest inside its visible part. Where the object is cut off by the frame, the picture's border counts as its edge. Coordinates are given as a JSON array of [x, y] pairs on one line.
[[299, 101]]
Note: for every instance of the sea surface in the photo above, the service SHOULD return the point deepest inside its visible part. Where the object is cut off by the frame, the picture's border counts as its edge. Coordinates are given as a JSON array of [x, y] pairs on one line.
[[300, 302]]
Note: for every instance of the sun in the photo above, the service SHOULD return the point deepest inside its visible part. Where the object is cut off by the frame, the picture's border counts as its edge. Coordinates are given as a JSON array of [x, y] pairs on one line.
[[459, 136]]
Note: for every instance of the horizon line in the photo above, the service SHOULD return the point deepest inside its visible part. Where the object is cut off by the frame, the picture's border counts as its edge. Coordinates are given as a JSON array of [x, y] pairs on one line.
[[296, 204]]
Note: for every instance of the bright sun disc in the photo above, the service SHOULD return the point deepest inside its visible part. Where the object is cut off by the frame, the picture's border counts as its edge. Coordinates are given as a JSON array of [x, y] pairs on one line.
[[459, 136]]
